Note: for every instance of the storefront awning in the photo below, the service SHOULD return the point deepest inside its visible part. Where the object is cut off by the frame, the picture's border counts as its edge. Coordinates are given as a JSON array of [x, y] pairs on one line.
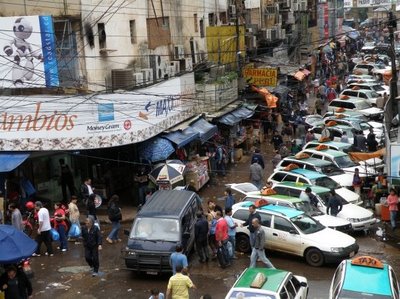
[[204, 128], [182, 137], [156, 149], [237, 115], [10, 161]]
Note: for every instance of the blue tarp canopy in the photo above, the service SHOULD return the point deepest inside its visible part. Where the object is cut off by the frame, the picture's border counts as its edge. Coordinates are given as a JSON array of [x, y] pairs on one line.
[[10, 161], [204, 128], [182, 137], [156, 149], [234, 117]]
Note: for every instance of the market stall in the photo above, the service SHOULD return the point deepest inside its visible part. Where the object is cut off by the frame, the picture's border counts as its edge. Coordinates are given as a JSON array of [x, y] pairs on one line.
[[196, 173]]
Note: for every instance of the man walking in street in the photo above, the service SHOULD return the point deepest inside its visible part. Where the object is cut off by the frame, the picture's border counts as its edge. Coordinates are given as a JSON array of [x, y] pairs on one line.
[[221, 237], [256, 173], [179, 285], [257, 155], [16, 217], [177, 258], [92, 242], [258, 251], [334, 204], [231, 232], [201, 235], [43, 232], [249, 222]]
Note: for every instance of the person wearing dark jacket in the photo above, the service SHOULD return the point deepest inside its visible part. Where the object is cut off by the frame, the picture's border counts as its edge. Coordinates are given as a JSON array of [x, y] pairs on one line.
[[249, 222], [115, 216], [257, 156], [334, 204], [201, 237], [15, 284], [92, 242], [91, 206]]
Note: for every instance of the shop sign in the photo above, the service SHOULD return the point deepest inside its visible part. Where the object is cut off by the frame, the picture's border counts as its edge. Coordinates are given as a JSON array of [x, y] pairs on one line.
[[261, 76], [348, 3], [95, 121], [28, 48], [363, 3]]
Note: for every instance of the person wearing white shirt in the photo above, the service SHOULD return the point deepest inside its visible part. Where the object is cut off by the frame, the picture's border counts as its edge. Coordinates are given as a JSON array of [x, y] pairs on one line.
[[43, 232]]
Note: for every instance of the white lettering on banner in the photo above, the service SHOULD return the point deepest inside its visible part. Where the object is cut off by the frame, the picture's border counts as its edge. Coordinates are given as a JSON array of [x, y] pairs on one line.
[[104, 120], [363, 3], [348, 3]]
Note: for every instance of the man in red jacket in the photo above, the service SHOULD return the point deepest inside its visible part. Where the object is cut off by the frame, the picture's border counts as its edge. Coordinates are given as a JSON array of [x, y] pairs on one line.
[[221, 236]]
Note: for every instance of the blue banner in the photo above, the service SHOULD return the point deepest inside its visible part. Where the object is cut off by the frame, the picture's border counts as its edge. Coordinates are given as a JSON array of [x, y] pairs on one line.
[[49, 51]]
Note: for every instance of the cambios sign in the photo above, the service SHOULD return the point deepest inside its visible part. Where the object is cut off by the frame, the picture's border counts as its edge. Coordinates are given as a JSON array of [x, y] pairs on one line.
[[28, 57]]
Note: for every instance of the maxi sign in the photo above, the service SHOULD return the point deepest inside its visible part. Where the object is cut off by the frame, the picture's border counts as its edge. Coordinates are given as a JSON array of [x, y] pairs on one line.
[[261, 76], [95, 121], [28, 52]]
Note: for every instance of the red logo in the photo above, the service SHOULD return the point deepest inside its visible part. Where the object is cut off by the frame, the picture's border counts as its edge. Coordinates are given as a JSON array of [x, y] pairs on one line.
[[127, 124]]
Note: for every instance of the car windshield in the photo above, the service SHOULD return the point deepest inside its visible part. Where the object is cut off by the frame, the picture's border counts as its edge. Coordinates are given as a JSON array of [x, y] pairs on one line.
[[345, 294], [326, 195], [249, 295], [326, 182], [378, 87], [153, 229], [308, 208], [363, 126], [344, 161], [307, 224], [331, 170], [373, 94], [362, 105]]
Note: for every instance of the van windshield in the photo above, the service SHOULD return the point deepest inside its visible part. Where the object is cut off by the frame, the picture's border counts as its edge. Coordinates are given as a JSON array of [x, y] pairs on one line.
[[153, 229]]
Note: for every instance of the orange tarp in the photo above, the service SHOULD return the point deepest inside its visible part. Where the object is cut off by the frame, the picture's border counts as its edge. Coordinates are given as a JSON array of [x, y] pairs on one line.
[[355, 156], [270, 99]]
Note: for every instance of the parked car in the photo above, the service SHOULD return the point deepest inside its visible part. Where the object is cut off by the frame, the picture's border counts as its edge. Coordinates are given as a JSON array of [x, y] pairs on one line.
[[355, 92], [359, 105], [335, 145], [358, 78], [241, 189], [292, 231], [322, 166], [332, 222], [268, 283], [336, 132], [364, 277], [345, 113], [371, 86], [305, 176], [360, 218]]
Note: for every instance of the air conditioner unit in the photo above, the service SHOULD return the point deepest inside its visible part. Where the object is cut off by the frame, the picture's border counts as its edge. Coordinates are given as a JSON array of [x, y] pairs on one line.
[[176, 65], [147, 76], [232, 10], [171, 71], [138, 79], [159, 66], [303, 6], [188, 64], [268, 34], [122, 79], [179, 52]]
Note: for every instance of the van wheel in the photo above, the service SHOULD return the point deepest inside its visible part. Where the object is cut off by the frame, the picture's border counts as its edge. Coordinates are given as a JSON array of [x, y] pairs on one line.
[[243, 243], [314, 257]]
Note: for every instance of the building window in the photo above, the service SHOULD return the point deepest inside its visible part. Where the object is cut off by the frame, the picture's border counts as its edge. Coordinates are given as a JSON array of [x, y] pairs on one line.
[[102, 35], [211, 19], [196, 28], [132, 28], [201, 28]]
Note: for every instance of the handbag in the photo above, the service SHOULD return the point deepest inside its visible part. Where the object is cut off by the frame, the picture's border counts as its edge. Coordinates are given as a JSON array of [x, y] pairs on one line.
[[74, 231], [55, 236]]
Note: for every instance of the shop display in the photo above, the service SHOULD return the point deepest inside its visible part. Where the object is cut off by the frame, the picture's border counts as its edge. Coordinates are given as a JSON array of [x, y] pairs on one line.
[[197, 172]]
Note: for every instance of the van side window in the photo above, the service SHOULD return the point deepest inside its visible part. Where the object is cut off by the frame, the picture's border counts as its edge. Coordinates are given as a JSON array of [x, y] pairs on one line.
[[282, 224]]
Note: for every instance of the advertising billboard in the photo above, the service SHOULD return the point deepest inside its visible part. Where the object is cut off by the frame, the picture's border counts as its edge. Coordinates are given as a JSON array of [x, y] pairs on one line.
[[395, 164], [28, 57], [94, 121]]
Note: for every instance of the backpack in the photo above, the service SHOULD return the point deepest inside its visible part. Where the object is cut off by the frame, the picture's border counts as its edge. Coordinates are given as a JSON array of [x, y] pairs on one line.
[[114, 213]]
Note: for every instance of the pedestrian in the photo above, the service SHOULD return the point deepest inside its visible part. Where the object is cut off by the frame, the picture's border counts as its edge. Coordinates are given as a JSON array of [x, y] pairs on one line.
[[307, 195], [259, 157], [276, 159], [221, 237], [86, 190], [229, 200], [231, 232], [16, 217], [177, 258], [156, 294], [334, 204], [179, 285], [115, 216], [284, 150], [393, 201], [318, 105], [92, 241], [357, 182], [258, 251], [385, 99], [310, 136], [276, 140], [212, 222], [91, 206], [60, 225], [325, 133], [360, 142], [344, 138], [200, 236], [380, 102], [220, 160], [372, 144], [252, 214], [74, 215], [67, 180], [256, 174], [15, 284], [43, 232]]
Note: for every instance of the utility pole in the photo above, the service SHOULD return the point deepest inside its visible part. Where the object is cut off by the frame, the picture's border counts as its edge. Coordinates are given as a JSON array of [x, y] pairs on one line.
[[237, 46], [393, 81]]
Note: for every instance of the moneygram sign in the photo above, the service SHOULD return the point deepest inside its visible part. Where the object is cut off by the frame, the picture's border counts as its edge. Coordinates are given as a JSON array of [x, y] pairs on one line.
[[261, 76]]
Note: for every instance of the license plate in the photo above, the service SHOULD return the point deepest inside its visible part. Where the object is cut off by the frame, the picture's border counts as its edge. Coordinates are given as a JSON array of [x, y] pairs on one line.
[[351, 254], [151, 273]]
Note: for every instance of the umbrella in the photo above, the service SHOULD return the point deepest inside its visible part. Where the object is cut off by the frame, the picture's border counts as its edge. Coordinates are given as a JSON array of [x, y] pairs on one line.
[[171, 171], [14, 245], [156, 149]]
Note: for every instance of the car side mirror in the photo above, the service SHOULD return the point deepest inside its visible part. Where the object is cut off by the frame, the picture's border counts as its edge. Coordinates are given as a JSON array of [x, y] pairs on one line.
[[126, 232], [303, 284], [293, 232]]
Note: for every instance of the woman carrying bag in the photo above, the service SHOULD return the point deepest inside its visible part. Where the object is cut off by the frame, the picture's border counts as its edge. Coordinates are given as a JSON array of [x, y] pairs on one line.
[[115, 216]]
